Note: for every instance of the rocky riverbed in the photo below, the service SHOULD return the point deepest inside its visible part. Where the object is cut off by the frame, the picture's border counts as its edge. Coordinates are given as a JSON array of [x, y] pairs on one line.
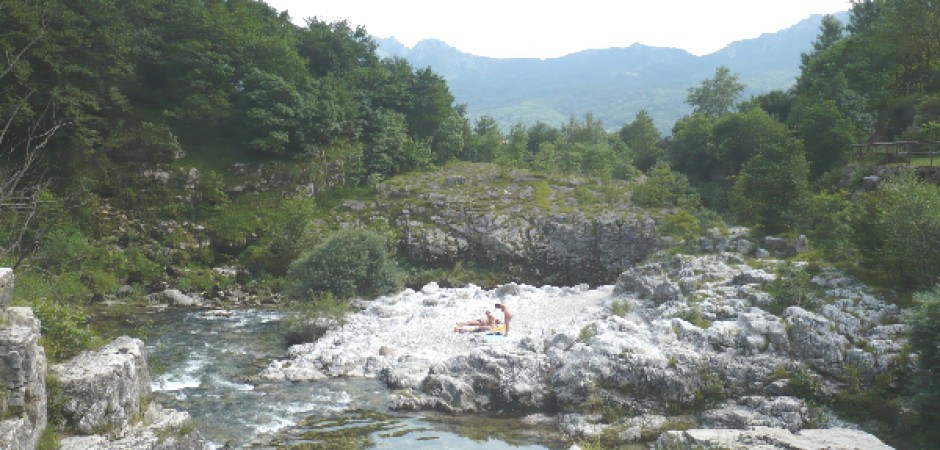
[[686, 342]]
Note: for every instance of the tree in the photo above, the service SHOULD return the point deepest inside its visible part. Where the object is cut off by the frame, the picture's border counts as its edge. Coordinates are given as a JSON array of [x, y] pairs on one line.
[[897, 231], [642, 137], [716, 96], [827, 135], [486, 141], [925, 340], [831, 31], [390, 151], [692, 145], [539, 134], [513, 152], [25, 134], [777, 103], [772, 189]]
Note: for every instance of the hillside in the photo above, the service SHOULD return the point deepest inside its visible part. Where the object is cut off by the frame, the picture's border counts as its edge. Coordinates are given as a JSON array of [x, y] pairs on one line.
[[613, 84]]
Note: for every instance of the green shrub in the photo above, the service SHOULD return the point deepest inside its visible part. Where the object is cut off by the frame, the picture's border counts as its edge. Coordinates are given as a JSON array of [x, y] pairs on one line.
[[620, 308], [65, 330], [588, 332], [897, 232], [791, 288], [310, 319], [681, 225], [925, 339], [694, 316], [666, 189], [348, 263], [805, 384]]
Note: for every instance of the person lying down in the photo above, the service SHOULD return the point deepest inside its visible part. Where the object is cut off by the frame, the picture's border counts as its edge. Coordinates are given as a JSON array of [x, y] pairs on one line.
[[488, 322]]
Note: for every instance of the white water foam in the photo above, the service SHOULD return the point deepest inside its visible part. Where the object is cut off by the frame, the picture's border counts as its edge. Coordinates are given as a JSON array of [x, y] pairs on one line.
[[183, 378]]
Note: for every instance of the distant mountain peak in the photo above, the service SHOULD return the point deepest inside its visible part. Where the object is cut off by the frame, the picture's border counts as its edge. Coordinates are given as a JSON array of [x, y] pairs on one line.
[[611, 83]]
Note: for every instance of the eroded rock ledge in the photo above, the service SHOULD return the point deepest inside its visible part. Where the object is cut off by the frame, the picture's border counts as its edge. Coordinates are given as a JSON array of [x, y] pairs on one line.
[[103, 395], [685, 342]]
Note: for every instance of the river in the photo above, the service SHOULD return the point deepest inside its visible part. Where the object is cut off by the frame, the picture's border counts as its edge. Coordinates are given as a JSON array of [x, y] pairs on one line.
[[202, 363]]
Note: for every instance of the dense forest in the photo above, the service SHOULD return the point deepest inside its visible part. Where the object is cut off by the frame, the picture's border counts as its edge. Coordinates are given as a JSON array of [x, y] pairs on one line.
[[93, 93]]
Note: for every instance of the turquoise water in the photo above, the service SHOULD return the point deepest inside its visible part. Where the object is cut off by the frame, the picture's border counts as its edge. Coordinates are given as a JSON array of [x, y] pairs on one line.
[[203, 364]]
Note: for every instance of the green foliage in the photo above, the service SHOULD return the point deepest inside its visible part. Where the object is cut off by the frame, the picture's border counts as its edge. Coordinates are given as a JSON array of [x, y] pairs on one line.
[[791, 288], [642, 138], [693, 315], [925, 340], [681, 225], [805, 384], [311, 319], [348, 263], [827, 135], [897, 232], [716, 96], [665, 189], [827, 225], [65, 328], [778, 167], [48, 440], [620, 308], [587, 332]]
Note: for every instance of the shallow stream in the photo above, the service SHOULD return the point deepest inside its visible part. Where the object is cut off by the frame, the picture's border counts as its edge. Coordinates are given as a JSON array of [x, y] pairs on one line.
[[202, 363]]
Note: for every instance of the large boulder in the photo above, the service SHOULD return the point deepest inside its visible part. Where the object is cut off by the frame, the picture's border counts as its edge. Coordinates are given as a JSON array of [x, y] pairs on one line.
[[160, 429], [814, 340], [769, 439], [22, 379], [6, 286], [101, 391]]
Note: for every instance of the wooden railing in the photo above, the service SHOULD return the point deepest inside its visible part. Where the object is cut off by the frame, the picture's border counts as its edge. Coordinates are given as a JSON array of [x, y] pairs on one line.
[[897, 152], [16, 203]]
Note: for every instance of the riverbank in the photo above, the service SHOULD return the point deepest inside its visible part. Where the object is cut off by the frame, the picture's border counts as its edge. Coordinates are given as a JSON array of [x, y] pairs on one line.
[[688, 341]]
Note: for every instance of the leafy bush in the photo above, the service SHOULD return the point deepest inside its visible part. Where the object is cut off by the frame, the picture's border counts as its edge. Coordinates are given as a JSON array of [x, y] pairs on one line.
[[348, 263], [312, 319], [925, 339], [620, 308], [897, 232], [65, 329], [791, 288], [666, 189]]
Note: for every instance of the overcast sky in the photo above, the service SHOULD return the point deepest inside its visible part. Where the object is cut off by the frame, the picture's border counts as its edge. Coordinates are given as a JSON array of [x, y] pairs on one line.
[[548, 29]]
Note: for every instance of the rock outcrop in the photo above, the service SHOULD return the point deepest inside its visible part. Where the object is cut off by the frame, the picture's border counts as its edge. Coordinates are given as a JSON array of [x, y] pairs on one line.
[[6, 286], [159, 429], [691, 333], [104, 396], [22, 379], [102, 391], [769, 439], [566, 231]]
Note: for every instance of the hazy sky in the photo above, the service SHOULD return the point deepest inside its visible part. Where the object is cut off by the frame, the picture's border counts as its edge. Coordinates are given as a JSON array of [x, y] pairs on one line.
[[547, 28]]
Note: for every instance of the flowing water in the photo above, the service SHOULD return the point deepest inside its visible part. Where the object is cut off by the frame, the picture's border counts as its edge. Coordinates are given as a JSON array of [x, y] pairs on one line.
[[202, 363]]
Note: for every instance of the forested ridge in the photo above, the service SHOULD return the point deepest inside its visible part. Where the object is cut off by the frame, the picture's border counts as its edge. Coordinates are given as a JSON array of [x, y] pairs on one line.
[[146, 143]]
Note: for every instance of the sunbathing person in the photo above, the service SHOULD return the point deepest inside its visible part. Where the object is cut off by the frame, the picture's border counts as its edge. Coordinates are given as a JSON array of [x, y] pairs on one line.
[[487, 321]]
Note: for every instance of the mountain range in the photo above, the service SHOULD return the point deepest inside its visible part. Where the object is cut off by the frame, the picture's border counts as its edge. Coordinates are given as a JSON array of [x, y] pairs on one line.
[[612, 84]]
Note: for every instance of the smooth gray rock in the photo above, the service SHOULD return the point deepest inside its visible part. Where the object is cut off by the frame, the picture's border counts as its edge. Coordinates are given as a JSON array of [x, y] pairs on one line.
[[175, 297], [815, 340], [102, 390], [22, 379], [161, 429], [769, 439], [6, 286]]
